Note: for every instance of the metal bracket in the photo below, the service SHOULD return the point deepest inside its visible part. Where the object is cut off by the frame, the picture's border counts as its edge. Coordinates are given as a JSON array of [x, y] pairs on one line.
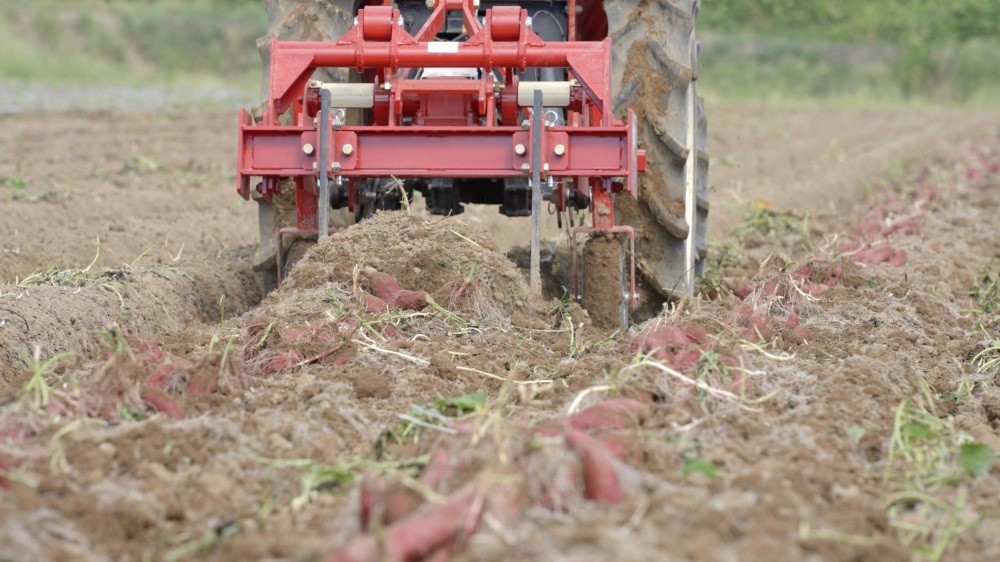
[[322, 212], [630, 232], [280, 256], [535, 276]]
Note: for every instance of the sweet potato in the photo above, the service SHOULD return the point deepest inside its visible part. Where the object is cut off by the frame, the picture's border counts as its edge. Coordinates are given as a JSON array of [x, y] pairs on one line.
[[438, 469], [617, 443], [392, 332], [375, 305], [283, 362], [385, 285], [388, 500], [902, 227], [871, 224], [600, 481], [740, 287], [430, 528], [148, 352], [611, 414], [162, 402], [654, 338], [409, 300], [202, 382], [13, 433], [160, 377]]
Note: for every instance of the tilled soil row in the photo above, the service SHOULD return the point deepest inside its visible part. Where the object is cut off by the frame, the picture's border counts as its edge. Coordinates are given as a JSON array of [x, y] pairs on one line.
[[367, 411], [75, 311]]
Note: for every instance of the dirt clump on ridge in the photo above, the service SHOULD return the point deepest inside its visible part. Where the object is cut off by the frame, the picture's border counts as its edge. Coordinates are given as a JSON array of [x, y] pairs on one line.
[[454, 262], [70, 314]]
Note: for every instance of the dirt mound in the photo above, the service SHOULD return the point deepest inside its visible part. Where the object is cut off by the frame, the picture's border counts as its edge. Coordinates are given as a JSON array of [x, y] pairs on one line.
[[70, 311], [451, 260]]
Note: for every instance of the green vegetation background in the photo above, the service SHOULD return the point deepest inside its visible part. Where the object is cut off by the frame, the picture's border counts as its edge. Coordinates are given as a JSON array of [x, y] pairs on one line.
[[861, 52]]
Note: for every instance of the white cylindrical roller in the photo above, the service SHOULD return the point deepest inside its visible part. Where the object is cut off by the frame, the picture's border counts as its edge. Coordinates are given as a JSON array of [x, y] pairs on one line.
[[554, 94], [351, 95]]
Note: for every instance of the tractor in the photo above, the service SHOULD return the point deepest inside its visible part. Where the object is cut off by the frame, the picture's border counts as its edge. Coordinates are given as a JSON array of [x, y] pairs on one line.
[[585, 105]]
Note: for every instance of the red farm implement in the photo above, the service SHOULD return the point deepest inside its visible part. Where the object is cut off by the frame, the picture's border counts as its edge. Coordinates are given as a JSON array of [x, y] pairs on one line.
[[462, 102]]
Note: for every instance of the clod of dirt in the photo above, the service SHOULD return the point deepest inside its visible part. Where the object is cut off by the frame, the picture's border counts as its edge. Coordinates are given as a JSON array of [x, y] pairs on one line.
[[444, 364], [369, 384], [602, 281]]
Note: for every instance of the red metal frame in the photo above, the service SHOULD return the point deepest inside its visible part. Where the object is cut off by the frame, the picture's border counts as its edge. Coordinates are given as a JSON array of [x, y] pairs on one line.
[[441, 127]]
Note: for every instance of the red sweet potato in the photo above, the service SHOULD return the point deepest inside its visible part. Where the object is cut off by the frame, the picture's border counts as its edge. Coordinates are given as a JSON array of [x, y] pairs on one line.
[[343, 355], [873, 256], [438, 469], [389, 290], [740, 287], [654, 338], [10, 435], [375, 305], [283, 362], [801, 333], [160, 377], [442, 554], [409, 300], [148, 352], [810, 288], [13, 433], [849, 246], [387, 498], [202, 382], [871, 224], [392, 332], [612, 414], [617, 444], [905, 226], [683, 358], [430, 528], [162, 402], [600, 481], [385, 285]]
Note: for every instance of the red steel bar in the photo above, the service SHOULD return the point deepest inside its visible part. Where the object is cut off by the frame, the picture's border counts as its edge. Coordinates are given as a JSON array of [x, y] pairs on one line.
[[376, 42], [384, 151]]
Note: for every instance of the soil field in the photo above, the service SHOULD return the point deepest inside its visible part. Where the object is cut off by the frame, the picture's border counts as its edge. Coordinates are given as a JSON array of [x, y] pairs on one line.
[[833, 394]]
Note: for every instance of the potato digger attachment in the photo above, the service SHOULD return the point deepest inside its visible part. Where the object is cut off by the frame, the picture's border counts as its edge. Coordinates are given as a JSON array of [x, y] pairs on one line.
[[509, 104]]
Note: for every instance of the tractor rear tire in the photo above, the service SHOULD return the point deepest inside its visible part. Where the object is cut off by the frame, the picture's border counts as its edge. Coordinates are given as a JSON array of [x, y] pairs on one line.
[[294, 20], [654, 70]]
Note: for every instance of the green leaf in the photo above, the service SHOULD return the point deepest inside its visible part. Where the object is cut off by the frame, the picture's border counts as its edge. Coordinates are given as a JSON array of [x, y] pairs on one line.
[[329, 477], [701, 466], [916, 431], [976, 459], [855, 433], [464, 403]]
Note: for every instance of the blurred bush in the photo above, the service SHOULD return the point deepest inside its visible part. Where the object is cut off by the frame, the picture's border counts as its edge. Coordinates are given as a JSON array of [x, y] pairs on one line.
[[855, 51], [128, 41], [923, 50]]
